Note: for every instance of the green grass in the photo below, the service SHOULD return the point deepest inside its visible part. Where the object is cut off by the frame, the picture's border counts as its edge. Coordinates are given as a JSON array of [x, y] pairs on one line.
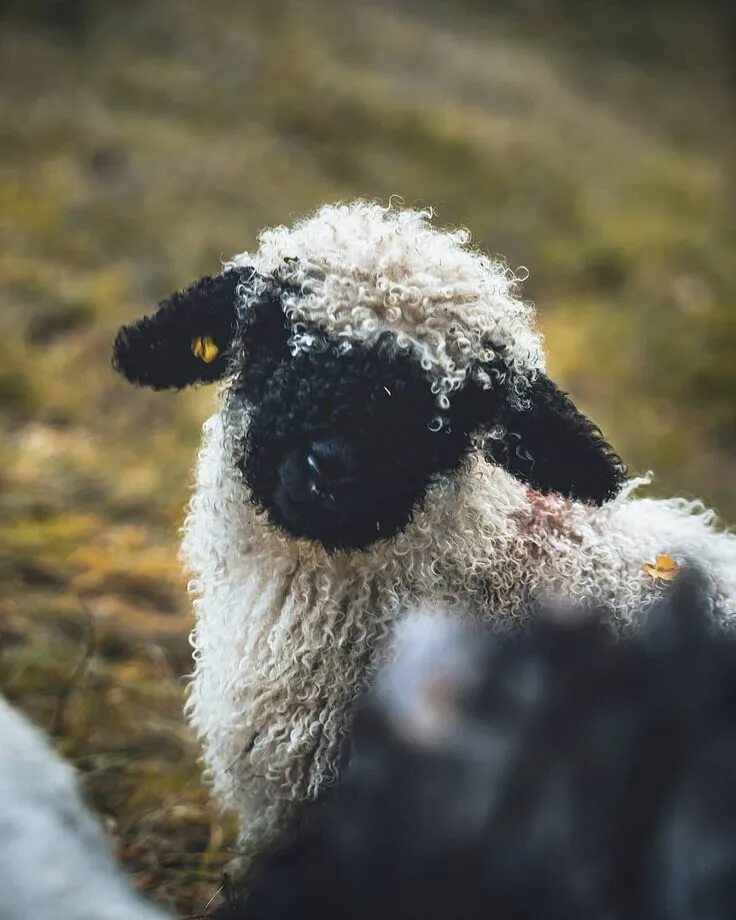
[[148, 141]]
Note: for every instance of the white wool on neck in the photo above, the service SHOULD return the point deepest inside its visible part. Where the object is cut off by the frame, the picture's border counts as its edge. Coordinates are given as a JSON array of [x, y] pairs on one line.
[[361, 269]]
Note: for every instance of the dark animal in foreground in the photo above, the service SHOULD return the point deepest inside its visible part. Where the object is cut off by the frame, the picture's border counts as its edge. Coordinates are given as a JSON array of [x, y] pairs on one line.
[[556, 774]]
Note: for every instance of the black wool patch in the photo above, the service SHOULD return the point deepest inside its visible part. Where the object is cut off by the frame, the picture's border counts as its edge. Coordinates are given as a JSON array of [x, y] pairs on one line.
[[158, 351], [344, 439], [555, 448], [548, 444]]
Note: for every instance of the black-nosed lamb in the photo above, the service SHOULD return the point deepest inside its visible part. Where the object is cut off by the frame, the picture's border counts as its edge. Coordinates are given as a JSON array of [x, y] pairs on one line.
[[385, 436]]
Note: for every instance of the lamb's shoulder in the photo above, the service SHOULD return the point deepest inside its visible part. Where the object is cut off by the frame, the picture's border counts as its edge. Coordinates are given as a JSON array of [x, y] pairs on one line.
[[680, 531], [623, 555]]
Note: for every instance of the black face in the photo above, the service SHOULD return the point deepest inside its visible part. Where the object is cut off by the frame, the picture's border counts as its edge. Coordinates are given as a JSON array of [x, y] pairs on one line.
[[344, 439]]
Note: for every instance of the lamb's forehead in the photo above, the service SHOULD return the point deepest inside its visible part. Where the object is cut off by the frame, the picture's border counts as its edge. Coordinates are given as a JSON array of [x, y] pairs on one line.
[[360, 269]]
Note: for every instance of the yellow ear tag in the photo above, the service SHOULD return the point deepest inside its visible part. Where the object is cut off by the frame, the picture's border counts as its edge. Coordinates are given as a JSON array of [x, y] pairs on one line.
[[204, 348], [664, 569]]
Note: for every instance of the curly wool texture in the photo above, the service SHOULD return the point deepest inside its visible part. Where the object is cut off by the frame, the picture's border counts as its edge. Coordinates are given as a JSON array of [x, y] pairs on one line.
[[288, 635], [361, 269]]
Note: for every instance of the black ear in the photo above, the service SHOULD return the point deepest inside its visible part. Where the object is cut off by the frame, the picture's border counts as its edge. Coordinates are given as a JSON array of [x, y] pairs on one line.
[[186, 340], [552, 446]]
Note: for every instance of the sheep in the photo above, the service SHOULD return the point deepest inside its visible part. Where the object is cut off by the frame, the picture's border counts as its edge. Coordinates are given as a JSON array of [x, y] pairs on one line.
[[54, 861], [556, 774], [386, 436]]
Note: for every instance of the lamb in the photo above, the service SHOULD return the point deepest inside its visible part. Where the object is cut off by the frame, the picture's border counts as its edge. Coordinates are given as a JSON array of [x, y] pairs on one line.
[[54, 860], [555, 774], [386, 436]]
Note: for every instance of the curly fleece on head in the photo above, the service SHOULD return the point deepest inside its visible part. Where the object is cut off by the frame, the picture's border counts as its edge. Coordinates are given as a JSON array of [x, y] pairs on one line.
[[359, 269]]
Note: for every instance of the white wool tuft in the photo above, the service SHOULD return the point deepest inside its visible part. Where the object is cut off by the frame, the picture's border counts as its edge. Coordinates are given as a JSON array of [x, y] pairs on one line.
[[361, 269]]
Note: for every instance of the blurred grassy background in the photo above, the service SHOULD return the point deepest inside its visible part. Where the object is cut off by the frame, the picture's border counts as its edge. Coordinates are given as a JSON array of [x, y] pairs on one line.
[[592, 142]]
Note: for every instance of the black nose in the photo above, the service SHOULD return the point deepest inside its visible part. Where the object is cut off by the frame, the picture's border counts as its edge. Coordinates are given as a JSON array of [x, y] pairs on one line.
[[330, 463]]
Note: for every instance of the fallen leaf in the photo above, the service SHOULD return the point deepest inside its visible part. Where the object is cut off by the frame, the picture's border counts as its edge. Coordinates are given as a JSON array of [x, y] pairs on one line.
[[664, 569]]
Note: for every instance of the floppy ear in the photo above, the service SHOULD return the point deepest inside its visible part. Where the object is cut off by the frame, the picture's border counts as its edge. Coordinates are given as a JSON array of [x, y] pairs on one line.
[[186, 340], [553, 447]]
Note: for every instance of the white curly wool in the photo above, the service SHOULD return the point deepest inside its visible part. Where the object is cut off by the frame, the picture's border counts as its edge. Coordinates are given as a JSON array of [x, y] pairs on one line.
[[288, 635], [361, 269], [54, 861]]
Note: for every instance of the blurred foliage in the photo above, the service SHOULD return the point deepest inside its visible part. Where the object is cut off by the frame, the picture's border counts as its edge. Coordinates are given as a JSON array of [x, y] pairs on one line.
[[141, 143]]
